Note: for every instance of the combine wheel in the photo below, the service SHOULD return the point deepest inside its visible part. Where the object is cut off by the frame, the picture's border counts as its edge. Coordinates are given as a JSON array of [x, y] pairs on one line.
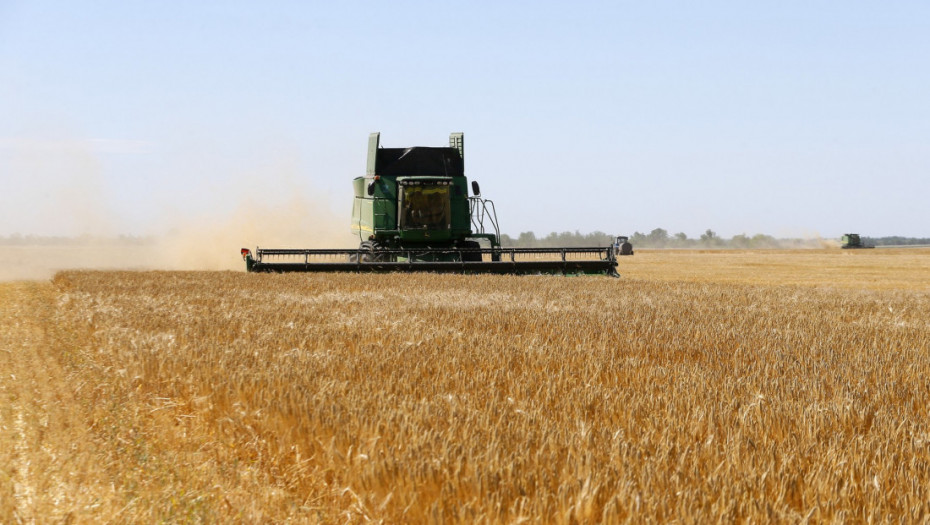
[[471, 257], [371, 252], [368, 251], [365, 252]]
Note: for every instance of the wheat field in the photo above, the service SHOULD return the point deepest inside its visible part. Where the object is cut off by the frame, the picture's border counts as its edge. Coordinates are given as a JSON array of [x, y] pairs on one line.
[[699, 387]]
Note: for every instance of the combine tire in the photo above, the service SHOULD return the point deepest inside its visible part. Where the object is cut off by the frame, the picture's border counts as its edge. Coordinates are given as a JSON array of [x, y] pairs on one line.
[[366, 252], [471, 257]]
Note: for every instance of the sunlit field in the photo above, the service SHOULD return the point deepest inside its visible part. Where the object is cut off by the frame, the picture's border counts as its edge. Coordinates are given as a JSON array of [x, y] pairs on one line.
[[699, 387], [875, 269]]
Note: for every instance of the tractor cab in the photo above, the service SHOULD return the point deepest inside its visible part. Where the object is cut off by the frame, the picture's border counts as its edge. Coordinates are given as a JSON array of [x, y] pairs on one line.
[[622, 246]]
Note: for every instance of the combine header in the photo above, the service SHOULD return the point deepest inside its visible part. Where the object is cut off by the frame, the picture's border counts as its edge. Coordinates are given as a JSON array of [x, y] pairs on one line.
[[412, 213]]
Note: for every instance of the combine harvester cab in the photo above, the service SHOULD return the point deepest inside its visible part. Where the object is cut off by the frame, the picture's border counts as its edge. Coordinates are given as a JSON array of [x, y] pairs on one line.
[[412, 212]]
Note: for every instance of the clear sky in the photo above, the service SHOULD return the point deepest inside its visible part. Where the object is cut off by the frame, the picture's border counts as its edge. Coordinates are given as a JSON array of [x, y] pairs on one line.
[[788, 118]]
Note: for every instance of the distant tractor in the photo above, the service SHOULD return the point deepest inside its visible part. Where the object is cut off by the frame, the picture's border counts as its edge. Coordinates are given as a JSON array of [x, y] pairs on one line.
[[622, 246], [852, 241]]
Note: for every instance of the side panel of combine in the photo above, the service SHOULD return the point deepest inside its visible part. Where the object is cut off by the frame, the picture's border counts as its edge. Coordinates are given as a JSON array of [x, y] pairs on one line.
[[384, 209], [361, 210], [461, 215], [376, 213]]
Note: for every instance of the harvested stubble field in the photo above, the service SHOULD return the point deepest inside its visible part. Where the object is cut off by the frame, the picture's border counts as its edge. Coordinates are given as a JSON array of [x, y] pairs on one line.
[[720, 386]]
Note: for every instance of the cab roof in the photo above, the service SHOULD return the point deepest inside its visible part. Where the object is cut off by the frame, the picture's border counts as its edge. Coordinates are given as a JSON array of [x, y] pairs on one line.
[[419, 160]]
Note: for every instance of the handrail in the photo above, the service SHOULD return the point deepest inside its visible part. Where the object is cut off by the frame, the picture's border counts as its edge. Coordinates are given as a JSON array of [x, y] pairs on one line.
[[479, 211]]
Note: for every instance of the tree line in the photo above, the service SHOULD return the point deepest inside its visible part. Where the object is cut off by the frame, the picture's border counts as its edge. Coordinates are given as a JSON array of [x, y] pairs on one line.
[[661, 238], [895, 240]]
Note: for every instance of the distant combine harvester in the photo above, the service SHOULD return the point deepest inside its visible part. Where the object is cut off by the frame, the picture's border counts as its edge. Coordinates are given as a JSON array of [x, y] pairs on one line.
[[852, 241]]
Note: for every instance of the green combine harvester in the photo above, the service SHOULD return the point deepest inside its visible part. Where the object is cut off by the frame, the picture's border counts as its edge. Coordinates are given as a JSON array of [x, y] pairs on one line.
[[412, 212], [852, 241]]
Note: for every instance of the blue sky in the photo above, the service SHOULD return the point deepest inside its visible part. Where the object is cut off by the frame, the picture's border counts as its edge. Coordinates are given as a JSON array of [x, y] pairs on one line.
[[787, 118]]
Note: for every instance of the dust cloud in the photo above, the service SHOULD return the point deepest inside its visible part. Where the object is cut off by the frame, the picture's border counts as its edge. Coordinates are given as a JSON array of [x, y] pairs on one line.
[[57, 211], [814, 242], [207, 243], [274, 206], [204, 242]]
